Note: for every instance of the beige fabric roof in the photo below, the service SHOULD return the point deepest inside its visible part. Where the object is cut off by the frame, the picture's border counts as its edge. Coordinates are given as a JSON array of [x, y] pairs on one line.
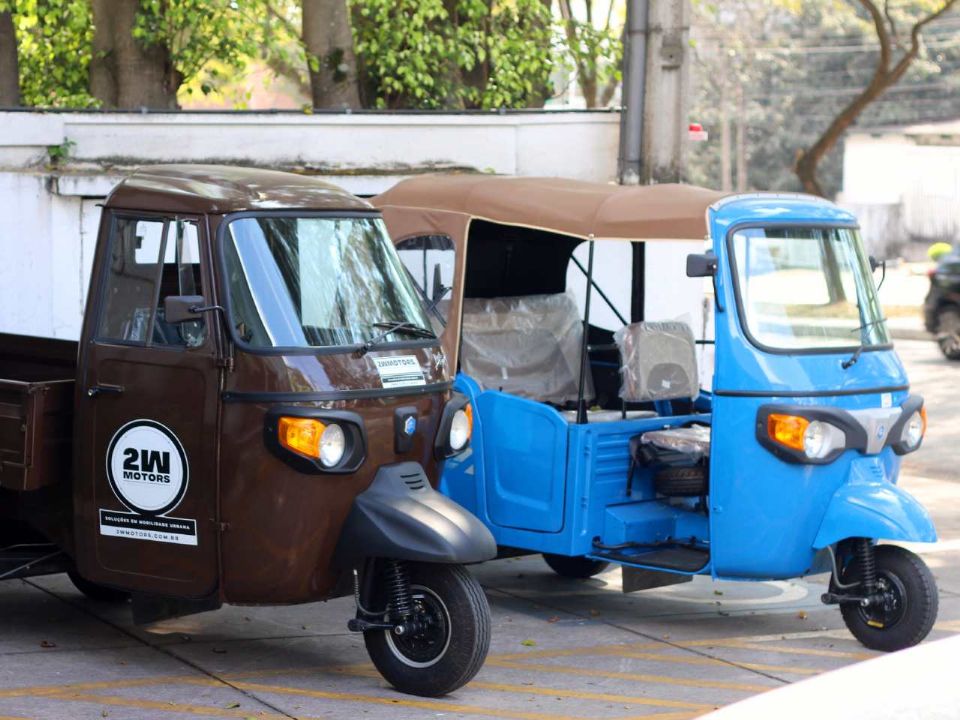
[[571, 207]]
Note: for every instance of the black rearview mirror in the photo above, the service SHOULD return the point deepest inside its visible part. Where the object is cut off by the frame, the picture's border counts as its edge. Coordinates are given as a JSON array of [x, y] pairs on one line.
[[182, 308], [882, 264], [701, 265]]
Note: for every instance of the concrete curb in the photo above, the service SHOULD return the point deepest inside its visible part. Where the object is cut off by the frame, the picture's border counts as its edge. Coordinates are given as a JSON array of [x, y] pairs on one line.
[[910, 334]]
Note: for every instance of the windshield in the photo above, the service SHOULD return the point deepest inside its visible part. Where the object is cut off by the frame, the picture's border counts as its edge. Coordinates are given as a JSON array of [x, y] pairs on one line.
[[807, 289], [317, 282]]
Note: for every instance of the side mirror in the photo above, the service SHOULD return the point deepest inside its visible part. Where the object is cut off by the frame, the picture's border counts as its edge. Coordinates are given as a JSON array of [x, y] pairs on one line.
[[438, 289], [701, 265], [182, 308], [874, 264]]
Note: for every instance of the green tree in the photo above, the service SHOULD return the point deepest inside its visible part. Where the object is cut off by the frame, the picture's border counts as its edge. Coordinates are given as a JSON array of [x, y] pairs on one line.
[[595, 50], [145, 50], [898, 30], [53, 47], [452, 53]]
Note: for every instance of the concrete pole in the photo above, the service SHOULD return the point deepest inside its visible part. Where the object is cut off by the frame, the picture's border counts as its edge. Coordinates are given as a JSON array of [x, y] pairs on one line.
[[633, 91], [667, 95]]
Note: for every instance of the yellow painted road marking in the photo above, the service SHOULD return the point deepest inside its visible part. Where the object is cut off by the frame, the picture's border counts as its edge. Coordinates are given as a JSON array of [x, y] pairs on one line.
[[786, 649], [403, 701], [369, 671], [949, 626], [718, 662], [638, 677], [183, 708]]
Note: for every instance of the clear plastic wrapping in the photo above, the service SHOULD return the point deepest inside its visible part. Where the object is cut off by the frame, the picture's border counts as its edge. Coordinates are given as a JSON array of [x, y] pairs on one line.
[[528, 346], [658, 361], [693, 441]]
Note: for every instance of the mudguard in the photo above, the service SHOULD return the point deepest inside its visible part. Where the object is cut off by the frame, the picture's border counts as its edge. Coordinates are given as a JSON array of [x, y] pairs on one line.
[[878, 510], [400, 516]]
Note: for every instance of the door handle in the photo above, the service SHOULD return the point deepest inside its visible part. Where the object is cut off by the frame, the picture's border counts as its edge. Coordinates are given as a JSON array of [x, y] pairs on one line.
[[95, 390]]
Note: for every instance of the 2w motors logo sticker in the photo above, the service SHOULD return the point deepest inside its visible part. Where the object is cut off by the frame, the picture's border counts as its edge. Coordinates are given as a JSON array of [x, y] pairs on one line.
[[148, 472]]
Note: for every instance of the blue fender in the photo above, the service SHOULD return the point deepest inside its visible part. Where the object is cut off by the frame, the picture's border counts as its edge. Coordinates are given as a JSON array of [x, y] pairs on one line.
[[877, 510]]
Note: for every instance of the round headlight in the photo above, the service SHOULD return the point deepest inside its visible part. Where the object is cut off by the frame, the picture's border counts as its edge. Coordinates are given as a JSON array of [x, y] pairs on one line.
[[333, 443], [913, 431], [460, 428], [815, 440]]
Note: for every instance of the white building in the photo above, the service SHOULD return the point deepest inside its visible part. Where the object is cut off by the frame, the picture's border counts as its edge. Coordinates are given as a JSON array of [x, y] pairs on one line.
[[904, 185]]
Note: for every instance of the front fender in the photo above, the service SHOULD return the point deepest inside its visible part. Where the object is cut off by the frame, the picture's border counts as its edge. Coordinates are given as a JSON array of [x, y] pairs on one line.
[[877, 510], [400, 516]]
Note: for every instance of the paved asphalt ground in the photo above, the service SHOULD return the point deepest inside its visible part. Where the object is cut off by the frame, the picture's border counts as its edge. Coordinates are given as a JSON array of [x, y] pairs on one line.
[[561, 649]]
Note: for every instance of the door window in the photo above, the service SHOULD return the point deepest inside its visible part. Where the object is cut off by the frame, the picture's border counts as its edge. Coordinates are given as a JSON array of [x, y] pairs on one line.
[[430, 260], [149, 261]]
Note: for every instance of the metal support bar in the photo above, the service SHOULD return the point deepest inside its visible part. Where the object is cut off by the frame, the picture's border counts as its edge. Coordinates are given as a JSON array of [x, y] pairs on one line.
[[600, 292], [584, 353]]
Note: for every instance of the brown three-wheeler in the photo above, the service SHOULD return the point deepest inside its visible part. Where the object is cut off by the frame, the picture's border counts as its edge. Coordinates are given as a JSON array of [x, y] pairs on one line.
[[257, 412]]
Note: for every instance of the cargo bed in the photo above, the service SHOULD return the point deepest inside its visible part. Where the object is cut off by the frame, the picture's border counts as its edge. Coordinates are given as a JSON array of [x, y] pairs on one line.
[[36, 411]]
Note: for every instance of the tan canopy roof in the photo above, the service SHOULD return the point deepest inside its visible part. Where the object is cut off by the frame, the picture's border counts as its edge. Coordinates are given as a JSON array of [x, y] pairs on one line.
[[571, 207]]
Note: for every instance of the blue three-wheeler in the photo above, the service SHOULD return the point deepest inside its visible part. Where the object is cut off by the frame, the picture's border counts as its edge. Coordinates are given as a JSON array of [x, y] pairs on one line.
[[594, 444]]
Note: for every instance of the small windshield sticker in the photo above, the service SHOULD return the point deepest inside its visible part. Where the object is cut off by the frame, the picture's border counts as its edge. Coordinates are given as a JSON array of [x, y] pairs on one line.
[[399, 371], [148, 472], [886, 400]]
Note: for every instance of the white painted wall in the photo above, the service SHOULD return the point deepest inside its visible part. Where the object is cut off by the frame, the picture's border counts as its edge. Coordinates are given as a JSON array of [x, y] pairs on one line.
[[49, 216], [904, 184]]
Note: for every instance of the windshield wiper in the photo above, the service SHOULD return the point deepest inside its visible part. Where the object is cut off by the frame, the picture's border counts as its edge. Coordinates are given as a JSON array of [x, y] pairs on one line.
[[392, 327], [852, 360], [869, 324]]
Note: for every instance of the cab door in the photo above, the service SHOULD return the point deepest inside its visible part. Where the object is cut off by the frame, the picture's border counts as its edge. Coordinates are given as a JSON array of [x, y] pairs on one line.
[[146, 490]]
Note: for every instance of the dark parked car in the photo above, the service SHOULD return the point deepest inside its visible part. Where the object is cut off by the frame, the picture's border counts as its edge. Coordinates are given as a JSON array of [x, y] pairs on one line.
[[941, 309]]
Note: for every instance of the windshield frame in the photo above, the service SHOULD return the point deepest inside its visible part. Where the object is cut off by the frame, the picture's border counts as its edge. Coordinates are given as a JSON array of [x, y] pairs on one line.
[[225, 300], [741, 313]]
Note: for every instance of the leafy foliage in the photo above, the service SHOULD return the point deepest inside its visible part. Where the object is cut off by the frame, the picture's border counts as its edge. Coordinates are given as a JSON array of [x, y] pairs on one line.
[[214, 38], [54, 39], [458, 54]]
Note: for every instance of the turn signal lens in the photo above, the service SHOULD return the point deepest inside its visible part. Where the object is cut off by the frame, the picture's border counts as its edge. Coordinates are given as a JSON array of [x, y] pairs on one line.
[[301, 435], [461, 428], [788, 430]]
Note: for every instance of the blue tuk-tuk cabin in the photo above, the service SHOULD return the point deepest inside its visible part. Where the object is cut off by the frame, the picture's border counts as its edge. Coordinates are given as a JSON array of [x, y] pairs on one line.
[[761, 440]]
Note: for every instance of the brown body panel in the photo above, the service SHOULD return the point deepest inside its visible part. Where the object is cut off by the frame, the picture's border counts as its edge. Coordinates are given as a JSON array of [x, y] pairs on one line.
[[265, 532]]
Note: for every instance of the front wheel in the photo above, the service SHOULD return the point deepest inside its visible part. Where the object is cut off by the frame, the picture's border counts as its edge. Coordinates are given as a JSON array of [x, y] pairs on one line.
[[948, 333], [574, 567], [450, 636], [907, 605]]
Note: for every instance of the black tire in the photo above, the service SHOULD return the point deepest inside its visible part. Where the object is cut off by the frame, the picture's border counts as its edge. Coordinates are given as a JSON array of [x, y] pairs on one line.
[[910, 608], [575, 567], [681, 481], [948, 332], [100, 593], [435, 666]]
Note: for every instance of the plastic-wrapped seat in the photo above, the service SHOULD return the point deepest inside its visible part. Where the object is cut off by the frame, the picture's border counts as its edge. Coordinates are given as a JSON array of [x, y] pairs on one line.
[[659, 362], [528, 346]]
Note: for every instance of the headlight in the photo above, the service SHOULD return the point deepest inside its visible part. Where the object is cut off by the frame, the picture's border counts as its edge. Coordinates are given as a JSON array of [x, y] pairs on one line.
[[914, 430], [327, 441], [455, 427], [333, 443], [460, 428], [813, 440]]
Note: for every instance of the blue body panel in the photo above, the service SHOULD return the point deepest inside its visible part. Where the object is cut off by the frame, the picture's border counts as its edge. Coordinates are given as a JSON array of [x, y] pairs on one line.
[[542, 484]]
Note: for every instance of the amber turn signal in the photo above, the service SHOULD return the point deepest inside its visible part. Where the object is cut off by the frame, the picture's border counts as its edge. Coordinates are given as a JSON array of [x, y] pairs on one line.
[[788, 430], [301, 435]]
